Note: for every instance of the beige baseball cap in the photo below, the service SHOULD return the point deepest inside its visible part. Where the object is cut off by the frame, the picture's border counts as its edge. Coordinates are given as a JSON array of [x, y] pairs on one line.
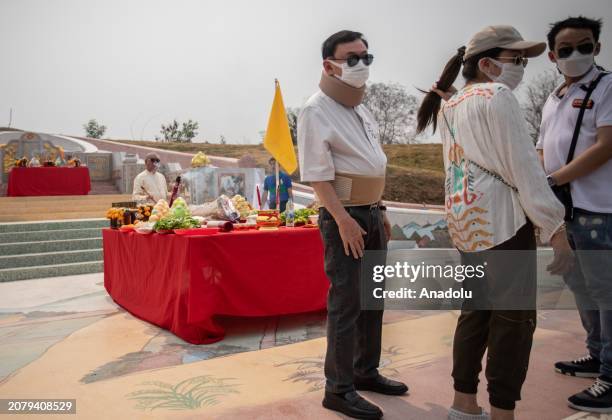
[[502, 36], [152, 155]]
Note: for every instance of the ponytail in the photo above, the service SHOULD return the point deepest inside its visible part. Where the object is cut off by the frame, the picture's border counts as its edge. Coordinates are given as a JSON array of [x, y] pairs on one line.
[[430, 106]]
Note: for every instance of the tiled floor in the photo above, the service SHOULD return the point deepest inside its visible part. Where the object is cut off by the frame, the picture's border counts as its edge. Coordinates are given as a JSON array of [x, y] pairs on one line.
[[65, 338]]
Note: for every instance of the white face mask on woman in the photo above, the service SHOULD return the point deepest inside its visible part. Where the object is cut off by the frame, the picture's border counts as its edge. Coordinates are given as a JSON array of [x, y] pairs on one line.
[[576, 64], [356, 76], [511, 74]]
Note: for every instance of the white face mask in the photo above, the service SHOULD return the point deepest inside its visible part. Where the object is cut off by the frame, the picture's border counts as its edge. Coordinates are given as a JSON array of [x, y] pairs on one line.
[[511, 74], [356, 76], [576, 64]]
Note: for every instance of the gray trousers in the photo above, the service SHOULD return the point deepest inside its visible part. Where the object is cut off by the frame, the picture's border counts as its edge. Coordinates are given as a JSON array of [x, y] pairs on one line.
[[353, 334]]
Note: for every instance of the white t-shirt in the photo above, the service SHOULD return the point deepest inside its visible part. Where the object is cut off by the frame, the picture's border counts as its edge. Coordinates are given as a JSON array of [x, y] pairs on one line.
[[335, 138], [592, 192], [154, 184], [490, 130]]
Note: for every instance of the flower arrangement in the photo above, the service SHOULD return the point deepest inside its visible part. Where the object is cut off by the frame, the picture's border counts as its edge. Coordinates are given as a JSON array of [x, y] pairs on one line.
[[115, 215], [144, 212]]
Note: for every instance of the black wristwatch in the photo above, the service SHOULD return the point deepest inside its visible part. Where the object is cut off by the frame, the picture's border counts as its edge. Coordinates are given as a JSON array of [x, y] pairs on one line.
[[382, 207], [551, 181]]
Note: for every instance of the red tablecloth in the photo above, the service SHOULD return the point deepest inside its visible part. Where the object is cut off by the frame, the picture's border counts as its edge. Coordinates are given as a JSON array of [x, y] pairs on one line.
[[48, 181], [181, 283]]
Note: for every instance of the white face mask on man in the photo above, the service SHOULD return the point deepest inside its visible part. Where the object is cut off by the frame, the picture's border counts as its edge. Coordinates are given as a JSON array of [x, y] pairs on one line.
[[576, 64], [356, 76], [511, 74]]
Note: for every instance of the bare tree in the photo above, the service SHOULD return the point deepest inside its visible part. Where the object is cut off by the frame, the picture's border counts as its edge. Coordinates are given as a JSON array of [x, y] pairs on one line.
[[537, 92], [395, 111]]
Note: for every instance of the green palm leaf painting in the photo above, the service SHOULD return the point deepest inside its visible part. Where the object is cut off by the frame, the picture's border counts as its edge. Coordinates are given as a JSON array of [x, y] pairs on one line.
[[309, 370], [190, 394]]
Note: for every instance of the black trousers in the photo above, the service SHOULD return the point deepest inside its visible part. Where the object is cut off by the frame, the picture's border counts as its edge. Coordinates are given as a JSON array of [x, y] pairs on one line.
[[353, 335], [507, 335]]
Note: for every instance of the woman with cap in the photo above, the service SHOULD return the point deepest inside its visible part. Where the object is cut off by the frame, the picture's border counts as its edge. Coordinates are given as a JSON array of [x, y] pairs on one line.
[[495, 192]]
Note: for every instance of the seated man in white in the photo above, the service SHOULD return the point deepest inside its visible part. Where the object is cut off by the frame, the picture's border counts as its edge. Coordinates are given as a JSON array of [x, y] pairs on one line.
[[150, 186]]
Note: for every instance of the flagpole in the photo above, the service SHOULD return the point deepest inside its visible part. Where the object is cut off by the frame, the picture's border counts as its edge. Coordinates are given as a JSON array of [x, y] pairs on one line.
[[276, 168], [277, 185]]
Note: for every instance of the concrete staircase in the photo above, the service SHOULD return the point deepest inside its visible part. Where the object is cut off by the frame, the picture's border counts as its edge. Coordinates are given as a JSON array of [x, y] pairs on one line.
[[22, 209], [103, 187], [50, 249]]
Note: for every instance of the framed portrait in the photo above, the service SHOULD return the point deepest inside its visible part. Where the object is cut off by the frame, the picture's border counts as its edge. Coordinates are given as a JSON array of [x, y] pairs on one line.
[[231, 184]]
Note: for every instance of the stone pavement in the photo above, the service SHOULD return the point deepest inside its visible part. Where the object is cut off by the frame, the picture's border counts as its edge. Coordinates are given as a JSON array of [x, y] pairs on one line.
[[65, 338]]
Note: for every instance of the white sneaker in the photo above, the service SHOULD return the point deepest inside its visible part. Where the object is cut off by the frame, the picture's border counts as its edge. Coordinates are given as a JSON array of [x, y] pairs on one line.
[[454, 414]]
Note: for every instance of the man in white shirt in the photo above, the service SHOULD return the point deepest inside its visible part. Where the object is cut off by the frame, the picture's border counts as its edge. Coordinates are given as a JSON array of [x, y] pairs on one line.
[[341, 156], [574, 43], [150, 186]]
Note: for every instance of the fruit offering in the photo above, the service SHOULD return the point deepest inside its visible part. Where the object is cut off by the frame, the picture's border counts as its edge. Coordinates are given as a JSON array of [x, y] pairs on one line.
[[144, 228], [242, 206], [199, 160], [172, 221], [301, 216], [179, 208], [268, 219], [160, 210], [127, 228]]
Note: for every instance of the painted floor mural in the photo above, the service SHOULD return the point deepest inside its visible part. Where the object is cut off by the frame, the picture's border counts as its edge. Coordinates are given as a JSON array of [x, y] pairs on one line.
[[65, 338]]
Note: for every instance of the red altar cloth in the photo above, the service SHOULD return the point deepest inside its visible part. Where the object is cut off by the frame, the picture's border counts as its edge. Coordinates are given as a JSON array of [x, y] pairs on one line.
[[181, 283], [48, 181]]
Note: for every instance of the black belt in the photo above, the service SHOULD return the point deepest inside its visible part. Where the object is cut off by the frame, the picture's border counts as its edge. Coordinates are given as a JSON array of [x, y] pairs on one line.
[[370, 206], [591, 213], [379, 206]]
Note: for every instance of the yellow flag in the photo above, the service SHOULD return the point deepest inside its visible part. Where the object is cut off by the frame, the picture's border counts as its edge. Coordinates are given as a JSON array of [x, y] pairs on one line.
[[278, 136]]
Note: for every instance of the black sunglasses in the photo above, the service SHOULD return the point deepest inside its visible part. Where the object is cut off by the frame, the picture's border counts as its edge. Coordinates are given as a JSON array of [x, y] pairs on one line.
[[583, 49], [154, 160], [516, 60], [353, 59]]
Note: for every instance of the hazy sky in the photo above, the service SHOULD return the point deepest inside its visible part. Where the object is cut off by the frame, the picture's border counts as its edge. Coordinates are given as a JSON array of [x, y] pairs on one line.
[[136, 64]]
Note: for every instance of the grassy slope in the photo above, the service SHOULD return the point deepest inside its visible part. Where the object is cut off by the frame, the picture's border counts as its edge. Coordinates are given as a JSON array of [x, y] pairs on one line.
[[415, 173]]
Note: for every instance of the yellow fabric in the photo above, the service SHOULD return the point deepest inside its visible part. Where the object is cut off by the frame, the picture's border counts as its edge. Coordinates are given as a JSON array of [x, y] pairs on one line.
[[278, 137]]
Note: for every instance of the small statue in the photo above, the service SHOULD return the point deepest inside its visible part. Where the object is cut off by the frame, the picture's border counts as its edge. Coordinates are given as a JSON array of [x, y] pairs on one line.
[[34, 162]]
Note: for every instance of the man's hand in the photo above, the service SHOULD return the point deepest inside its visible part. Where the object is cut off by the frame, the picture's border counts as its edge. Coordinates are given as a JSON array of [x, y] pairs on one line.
[[588, 161], [387, 225], [352, 236], [445, 95], [564, 256]]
